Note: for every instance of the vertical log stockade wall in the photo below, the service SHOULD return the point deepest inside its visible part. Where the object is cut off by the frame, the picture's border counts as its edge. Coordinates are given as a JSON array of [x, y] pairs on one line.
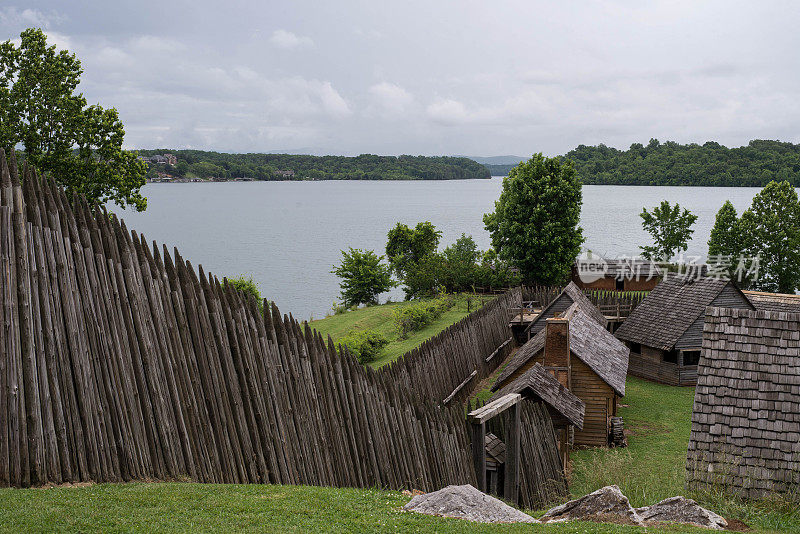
[[122, 362]]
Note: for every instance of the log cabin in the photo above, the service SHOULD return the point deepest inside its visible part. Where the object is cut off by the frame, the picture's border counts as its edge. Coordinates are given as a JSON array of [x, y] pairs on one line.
[[665, 332], [586, 359], [616, 274]]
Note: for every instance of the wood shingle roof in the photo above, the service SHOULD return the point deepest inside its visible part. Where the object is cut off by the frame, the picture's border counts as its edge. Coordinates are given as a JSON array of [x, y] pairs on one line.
[[571, 294], [779, 302], [669, 310], [746, 417], [540, 383], [589, 341]]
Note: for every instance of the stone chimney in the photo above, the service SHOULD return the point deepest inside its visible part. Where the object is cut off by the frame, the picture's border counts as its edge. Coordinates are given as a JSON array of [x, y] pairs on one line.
[[556, 350]]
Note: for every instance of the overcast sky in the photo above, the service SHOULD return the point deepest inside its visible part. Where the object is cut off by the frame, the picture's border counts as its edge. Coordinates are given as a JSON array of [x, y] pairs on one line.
[[431, 77]]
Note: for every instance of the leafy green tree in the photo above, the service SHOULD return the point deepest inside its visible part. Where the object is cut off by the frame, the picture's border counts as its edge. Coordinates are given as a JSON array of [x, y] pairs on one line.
[[364, 277], [725, 244], [79, 146], [671, 230], [425, 277], [535, 222], [405, 247], [771, 227], [461, 264]]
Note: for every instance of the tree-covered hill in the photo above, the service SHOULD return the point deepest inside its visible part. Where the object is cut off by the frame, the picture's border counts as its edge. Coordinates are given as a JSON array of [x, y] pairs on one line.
[[670, 163], [203, 164]]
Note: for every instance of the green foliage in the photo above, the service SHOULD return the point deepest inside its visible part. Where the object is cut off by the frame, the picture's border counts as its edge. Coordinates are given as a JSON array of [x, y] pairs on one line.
[[670, 163], [80, 146], [366, 346], [406, 247], [416, 316], [364, 277], [459, 268], [726, 242], [249, 287], [204, 164], [461, 264], [671, 230], [535, 222], [771, 229]]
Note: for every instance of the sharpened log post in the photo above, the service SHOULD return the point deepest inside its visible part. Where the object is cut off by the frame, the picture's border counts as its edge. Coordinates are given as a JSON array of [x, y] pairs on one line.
[[479, 453], [511, 486]]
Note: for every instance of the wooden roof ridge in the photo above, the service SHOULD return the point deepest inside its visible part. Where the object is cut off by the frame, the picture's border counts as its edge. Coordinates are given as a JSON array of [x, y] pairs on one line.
[[589, 341], [540, 383], [668, 311], [585, 305], [599, 350]]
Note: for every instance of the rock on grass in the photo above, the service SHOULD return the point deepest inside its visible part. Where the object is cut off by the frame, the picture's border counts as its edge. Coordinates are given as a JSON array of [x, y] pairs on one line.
[[682, 510], [466, 502]]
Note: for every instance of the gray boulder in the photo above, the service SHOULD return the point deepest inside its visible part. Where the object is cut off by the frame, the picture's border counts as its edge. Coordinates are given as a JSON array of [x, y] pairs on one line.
[[682, 510], [466, 502], [606, 504]]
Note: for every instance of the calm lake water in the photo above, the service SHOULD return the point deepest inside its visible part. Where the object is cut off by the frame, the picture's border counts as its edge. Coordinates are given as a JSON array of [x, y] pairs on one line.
[[287, 235]]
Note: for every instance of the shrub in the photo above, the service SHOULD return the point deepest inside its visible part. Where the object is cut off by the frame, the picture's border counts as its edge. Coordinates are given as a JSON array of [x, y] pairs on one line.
[[365, 345], [248, 286], [416, 316]]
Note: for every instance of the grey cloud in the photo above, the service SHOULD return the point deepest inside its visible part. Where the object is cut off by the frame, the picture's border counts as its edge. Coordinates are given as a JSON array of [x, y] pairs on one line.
[[420, 77]]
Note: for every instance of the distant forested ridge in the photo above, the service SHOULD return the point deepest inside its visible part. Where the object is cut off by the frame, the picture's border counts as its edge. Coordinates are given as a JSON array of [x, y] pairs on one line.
[[670, 163], [222, 166]]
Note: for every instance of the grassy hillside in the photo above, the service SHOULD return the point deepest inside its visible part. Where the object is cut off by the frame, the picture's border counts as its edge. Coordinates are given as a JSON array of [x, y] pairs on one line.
[[379, 319]]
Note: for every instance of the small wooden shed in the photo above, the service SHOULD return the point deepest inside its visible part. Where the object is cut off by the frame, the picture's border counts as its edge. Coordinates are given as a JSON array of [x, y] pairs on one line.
[[596, 374], [565, 409], [665, 331]]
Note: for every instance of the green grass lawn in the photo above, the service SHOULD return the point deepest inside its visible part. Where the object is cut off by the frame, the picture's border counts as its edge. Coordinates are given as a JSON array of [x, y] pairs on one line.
[[379, 319], [650, 469], [183, 507]]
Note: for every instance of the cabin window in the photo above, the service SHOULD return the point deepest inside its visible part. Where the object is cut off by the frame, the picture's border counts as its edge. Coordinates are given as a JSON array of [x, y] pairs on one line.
[[620, 284], [671, 356], [691, 357]]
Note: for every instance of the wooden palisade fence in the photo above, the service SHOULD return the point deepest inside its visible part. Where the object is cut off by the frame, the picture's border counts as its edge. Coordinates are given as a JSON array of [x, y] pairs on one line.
[[448, 366], [120, 362]]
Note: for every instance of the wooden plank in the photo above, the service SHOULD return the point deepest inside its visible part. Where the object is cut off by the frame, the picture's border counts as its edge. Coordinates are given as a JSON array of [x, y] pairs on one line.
[[479, 453], [461, 386], [494, 408]]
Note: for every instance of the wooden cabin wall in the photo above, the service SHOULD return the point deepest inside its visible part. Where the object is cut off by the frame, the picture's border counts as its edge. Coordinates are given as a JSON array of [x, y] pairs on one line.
[[729, 297], [600, 402]]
